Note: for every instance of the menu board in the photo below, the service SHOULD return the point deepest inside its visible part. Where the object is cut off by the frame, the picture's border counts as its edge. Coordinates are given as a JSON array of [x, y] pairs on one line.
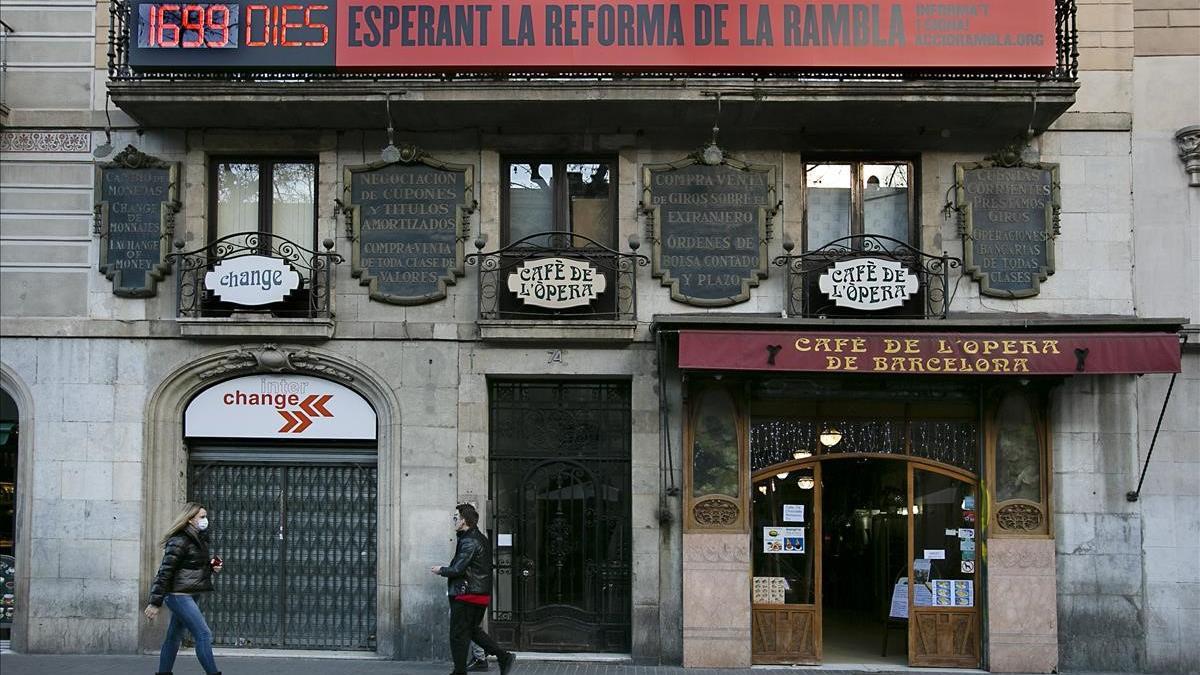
[[409, 223], [135, 217], [710, 224]]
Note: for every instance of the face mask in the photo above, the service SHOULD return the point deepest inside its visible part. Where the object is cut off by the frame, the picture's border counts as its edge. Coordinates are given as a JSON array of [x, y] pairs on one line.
[[202, 524]]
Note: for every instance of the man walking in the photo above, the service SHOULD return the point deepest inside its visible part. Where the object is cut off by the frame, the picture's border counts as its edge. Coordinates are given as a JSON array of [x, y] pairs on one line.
[[469, 585]]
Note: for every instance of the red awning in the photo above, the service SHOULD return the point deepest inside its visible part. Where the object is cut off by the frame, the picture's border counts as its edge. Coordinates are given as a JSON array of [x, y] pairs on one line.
[[931, 353]]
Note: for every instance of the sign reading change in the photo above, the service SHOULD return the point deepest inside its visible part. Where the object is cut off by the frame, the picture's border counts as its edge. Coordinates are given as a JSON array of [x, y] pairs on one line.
[[409, 220], [710, 227]]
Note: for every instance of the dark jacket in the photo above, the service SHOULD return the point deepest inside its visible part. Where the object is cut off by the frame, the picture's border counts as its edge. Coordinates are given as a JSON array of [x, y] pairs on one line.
[[470, 573], [185, 566]]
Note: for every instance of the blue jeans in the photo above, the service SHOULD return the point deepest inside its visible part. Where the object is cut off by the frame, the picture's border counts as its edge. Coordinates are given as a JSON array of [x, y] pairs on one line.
[[185, 613]]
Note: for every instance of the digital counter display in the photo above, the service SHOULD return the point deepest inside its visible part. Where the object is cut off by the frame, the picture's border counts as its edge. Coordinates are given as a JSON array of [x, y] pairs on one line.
[[270, 34]]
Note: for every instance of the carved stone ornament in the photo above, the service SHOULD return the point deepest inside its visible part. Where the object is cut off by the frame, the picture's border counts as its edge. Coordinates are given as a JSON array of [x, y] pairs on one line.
[[1020, 517], [45, 141], [715, 513], [132, 158], [1188, 139], [269, 358]]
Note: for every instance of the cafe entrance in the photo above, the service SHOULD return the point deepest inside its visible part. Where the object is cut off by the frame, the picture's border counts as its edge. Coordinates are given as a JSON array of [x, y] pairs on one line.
[[864, 527]]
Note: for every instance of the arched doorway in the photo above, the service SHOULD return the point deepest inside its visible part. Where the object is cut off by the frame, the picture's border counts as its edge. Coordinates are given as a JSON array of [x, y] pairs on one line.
[[863, 535], [9, 435], [286, 465]]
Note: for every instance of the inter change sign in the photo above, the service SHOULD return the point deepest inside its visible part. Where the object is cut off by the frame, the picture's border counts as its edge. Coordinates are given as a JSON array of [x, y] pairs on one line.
[[547, 35]]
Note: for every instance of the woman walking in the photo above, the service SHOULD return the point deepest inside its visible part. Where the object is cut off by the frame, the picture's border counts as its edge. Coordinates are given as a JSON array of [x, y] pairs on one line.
[[186, 570]]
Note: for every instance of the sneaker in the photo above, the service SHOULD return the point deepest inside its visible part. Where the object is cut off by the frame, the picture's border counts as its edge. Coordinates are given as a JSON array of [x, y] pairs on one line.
[[480, 665], [508, 662]]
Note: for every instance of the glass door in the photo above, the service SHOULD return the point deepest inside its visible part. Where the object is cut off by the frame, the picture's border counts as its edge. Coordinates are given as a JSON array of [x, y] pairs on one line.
[[944, 624], [786, 558]]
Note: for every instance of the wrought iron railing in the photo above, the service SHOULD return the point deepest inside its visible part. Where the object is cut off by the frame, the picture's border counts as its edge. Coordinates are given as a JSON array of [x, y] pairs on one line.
[[805, 299], [618, 302], [311, 301], [1066, 67]]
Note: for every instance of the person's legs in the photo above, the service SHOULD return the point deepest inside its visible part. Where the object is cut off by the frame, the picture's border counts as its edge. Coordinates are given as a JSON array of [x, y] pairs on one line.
[[185, 607], [478, 636], [460, 634], [170, 645], [478, 652]]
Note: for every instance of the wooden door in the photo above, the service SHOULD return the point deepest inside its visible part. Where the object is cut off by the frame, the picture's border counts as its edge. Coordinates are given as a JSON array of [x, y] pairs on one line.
[[944, 626], [786, 603]]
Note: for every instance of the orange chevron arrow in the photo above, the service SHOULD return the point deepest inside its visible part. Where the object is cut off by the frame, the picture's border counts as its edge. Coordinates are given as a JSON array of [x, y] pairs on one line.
[[305, 421], [291, 422], [320, 405], [306, 405]]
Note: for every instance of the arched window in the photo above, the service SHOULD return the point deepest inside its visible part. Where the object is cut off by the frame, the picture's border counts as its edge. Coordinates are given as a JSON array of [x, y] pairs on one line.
[[1017, 462]]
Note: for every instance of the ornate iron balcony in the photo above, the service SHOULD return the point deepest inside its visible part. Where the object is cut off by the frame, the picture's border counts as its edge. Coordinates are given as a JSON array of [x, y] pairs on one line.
[[310, 301], [616, 299], [806, 298]]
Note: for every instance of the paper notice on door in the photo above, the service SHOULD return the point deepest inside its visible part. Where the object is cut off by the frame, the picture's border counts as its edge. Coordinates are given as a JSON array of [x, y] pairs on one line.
[[793, 513], [783, 540], [966, 533], [935, 554], [899, 609], [504, 540], [943, 593], [951, 532]]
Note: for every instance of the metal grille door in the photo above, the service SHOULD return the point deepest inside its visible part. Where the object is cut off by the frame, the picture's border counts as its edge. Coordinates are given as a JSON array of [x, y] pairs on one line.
[[298, 541], [560, 483]]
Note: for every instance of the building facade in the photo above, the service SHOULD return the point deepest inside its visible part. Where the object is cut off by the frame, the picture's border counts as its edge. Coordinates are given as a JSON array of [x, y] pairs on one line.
[[748, 366]]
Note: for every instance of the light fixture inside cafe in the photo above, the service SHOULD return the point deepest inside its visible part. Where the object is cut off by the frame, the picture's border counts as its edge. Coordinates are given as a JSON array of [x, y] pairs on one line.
[[806, 483], [762, 489], [781, 476], [800, 453], [830, 437]]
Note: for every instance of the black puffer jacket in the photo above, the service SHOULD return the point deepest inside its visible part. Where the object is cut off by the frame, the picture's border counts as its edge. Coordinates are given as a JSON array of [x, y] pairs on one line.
[[185, 566], [470, 573]]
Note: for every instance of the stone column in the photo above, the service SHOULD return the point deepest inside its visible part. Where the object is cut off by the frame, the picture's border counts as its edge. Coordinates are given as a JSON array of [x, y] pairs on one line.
[[716, 600], [1022, 606]]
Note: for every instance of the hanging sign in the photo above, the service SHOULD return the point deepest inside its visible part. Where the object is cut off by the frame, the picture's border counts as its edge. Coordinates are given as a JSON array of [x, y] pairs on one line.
[[409, 220], [556, 283], [252, 280], [135, 219], [1009, 222], [710, 217], [868, 283], [281, 407], [548, 35]]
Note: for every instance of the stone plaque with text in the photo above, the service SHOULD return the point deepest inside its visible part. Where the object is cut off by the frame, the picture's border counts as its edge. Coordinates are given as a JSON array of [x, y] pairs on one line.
[[410, 221], [710, 223], [1010, 220], [135, 217]]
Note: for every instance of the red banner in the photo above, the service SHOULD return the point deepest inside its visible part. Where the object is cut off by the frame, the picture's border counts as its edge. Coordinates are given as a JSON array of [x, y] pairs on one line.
[[932, 354], [772, 34]]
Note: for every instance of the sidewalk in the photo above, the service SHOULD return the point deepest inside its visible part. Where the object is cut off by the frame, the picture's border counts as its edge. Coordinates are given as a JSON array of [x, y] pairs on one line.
[[23, 664]]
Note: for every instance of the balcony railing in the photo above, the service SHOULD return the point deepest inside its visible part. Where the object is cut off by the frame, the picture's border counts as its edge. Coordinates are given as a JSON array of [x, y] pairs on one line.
[[617, 301], [310, 301], [805, 297], [1066, 66]]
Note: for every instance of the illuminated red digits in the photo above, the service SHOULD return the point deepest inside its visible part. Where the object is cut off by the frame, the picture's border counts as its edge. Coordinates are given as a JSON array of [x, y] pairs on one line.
[[153, 38], [168, 32], [285, 25], [266, 12], [308, 21], [218, 22], [193, 30]]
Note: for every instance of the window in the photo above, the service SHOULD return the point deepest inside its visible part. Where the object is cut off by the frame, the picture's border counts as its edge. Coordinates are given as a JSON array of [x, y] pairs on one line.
[[1017, 461], [560, 195], [845, 198], [275, 196]]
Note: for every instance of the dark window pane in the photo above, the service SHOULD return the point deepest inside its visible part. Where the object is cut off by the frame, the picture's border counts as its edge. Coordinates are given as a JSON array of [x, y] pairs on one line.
[[944, 529], [530, 199], [784, 549], [589, 201], [237, 198], [293, 193], [1018, 456], [828, 195], [885, 200]]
